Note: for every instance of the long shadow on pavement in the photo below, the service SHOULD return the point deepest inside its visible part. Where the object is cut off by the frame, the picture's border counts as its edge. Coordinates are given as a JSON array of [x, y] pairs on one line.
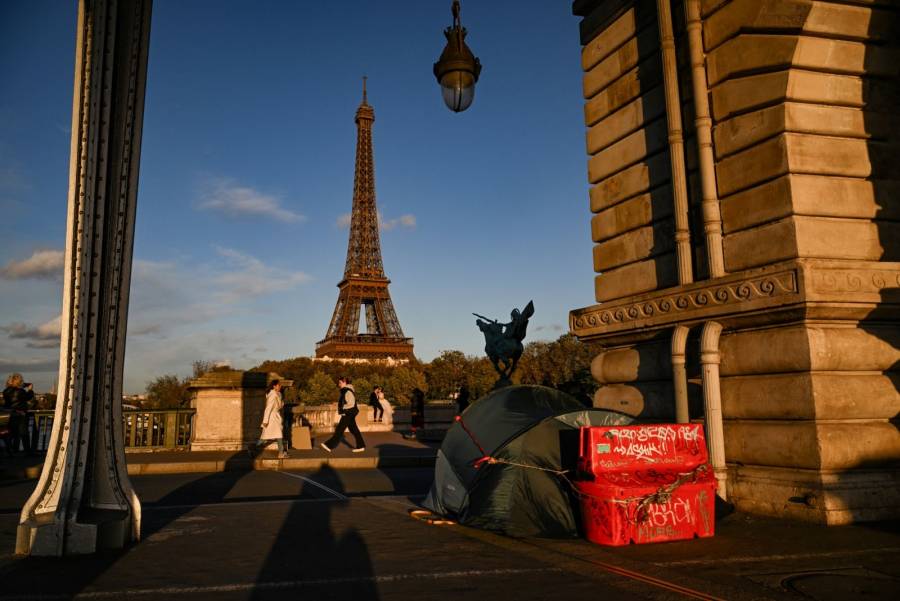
[[398, 482], [338, 566], [28, 576]]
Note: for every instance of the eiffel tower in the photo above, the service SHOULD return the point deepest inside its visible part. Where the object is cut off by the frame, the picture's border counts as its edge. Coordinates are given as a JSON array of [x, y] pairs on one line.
[[365, 285]]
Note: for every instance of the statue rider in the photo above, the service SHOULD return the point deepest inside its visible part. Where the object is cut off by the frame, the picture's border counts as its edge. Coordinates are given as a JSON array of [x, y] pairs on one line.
[[503, 341]]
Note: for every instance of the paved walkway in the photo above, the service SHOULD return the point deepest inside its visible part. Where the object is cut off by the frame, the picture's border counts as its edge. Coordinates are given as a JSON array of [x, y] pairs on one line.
[[330, 534], [383, 449], [231, 526]]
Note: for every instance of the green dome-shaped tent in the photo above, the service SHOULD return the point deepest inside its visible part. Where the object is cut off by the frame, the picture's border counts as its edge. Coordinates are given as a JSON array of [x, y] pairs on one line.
[[533, 432]]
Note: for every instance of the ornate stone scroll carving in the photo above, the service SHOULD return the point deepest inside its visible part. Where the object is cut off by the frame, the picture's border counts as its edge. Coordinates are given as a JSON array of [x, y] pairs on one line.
[[84, 500], [688, 302], [862, 280]]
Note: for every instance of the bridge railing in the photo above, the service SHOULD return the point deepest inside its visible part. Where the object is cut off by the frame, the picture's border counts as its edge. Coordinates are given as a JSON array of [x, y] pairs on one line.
[[322, 418], [159, 429]]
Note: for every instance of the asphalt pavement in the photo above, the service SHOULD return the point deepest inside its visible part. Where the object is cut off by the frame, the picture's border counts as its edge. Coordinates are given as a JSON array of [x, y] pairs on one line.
[[347, 534]]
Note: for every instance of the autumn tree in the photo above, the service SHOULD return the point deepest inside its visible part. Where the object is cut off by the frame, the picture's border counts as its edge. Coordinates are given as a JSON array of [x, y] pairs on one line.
[[480, 377], [446, 373], [564, 364], [298, 369], [201, 367], [363, 387], [319, 389], [400, 384], [167, 392]]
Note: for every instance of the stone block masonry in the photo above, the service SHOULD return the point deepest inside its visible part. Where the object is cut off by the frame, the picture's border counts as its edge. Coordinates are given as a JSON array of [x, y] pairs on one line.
[[799, 353]]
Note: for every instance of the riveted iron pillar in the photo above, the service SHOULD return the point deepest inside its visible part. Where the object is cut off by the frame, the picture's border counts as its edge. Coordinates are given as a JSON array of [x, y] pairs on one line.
[[84, 500]]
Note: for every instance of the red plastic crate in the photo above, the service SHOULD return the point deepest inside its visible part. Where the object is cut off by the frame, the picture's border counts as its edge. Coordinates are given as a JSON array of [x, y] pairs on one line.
[[658, 447], [614, 515], [644, 484]]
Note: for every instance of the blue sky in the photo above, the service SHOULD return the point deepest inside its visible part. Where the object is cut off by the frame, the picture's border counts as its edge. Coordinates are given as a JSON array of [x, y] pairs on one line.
[[247, 170]]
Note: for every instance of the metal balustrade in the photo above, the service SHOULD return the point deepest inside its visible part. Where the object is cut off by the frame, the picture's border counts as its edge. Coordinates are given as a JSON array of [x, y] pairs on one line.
[[162, 429], [322, 418]]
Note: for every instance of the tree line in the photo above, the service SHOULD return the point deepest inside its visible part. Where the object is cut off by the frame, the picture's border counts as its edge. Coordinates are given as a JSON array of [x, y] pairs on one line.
[[563, 364]]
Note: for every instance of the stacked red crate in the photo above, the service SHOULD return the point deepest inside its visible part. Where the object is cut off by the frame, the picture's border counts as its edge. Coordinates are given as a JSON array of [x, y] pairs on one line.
[[648, 483]]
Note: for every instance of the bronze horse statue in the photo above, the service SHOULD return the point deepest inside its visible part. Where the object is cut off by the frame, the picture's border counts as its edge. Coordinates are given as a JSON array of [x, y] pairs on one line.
[[503, 341]]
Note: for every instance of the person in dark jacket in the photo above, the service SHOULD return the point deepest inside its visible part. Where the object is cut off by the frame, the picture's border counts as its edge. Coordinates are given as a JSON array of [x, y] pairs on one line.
[[417, 410], [462, 399], [17, 398], [348, 408], [375, 402]]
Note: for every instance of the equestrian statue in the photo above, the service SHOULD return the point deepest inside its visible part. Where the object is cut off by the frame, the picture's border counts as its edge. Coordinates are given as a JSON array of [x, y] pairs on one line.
[[503, 341]]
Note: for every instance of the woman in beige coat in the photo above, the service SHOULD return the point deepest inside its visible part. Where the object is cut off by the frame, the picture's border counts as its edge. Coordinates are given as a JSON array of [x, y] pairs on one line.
[[272, 424]]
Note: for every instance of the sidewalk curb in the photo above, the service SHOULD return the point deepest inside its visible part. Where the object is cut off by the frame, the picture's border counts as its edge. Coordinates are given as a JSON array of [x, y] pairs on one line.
[[247, 465]]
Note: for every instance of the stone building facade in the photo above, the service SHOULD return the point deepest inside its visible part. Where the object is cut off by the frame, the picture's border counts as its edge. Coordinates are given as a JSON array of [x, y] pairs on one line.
[[745, 191]]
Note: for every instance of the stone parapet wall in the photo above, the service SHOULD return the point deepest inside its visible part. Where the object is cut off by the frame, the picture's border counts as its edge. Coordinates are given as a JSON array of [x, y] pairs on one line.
[[323, 418], [229, 407]]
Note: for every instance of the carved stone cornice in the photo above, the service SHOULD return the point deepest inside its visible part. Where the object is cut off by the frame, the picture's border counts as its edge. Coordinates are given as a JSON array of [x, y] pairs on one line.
[[797, 284], [862, 280]]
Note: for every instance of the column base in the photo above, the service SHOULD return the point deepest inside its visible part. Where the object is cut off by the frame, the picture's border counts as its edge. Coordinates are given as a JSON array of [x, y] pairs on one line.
[[824, 497], [101, 530]]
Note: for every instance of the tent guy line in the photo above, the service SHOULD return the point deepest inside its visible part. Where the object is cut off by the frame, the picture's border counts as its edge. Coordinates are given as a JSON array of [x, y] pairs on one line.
[[330, 491]]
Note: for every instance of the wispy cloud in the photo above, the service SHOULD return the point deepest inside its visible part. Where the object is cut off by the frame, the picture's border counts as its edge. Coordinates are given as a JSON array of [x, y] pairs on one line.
[[46, 264], [252, 278], [407, 221], [145, 329], [167, 295], [226, 196], [343, 221], [550, 328], [404, 221], [45, 335], [34, 365], [148, 358]]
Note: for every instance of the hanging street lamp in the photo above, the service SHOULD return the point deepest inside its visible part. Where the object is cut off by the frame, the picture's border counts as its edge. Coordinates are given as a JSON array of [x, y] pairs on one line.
[[457, 70]]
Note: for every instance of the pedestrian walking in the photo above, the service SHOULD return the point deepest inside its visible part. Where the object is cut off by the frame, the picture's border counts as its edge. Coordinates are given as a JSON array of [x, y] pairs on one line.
[[17, 398], [348, 409], [272, 421], [378, 411]]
